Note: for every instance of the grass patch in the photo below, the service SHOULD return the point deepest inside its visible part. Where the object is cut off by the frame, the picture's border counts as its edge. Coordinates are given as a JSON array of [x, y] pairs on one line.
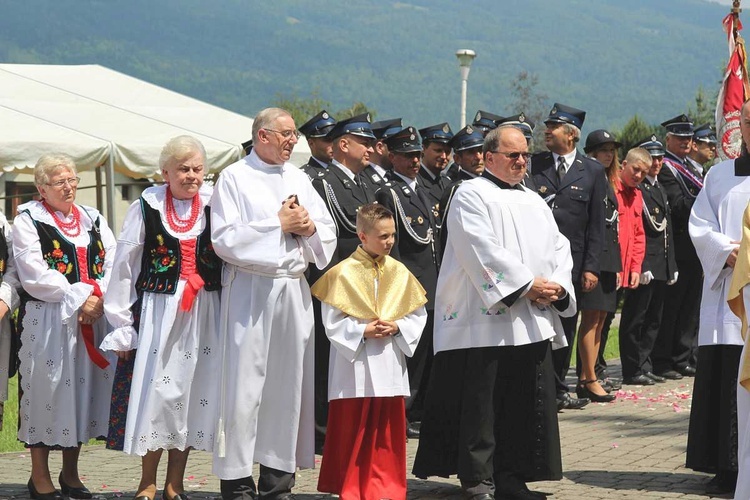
[[611, 350], [8, 436]]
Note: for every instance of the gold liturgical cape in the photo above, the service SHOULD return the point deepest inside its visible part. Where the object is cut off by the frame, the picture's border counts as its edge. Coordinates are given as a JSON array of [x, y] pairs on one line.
[[740, 278], [350, 287]]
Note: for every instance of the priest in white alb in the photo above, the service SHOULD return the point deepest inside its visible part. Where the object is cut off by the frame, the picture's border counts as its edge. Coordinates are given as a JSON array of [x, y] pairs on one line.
[[716, 229], [268, 224], [491, 412]]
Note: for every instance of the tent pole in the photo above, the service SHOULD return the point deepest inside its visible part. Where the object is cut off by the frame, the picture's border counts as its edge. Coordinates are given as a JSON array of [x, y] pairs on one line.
[[110, 173]]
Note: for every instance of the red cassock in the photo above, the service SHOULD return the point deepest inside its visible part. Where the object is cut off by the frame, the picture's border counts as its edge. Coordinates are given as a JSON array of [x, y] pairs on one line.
[[365, 449]]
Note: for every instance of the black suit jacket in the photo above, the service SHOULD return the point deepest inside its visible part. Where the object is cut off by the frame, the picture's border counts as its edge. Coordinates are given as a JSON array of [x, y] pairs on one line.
[[372, 178], [660, 257], [577, 203], [433, 189], [420, 258], [681, 196], [343, 197], [611, 260]]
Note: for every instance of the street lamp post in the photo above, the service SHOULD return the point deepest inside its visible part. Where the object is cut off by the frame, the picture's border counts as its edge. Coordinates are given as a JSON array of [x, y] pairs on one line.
[[465, 56]]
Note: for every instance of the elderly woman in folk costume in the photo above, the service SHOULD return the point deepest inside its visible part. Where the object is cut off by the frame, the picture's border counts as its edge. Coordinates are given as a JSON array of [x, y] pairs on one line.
[[9, 287], [165, 312], [63, 254]]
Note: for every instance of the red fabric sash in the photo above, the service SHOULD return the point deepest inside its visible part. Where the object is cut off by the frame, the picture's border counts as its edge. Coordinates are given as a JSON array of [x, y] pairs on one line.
[[189, 272], [88, 330], [685, 173]]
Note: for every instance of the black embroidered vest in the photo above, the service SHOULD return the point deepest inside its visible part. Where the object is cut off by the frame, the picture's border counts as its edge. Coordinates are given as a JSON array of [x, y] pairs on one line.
[[60, 254], [160, 264]]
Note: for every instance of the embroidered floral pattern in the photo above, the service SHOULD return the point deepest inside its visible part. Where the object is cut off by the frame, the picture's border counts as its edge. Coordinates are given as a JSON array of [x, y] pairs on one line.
[[491, 278], [208, 257], [450, 314], [97, 267], [57, 260], [493, 311], [162, 258]]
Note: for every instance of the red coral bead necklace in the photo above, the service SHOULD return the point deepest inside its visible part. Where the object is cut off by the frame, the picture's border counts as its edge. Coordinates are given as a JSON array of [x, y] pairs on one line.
[[72, 228], [182, 225]]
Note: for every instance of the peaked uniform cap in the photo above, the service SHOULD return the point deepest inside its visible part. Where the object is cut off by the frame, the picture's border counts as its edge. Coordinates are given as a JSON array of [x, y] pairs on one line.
[[560, 113], [383, 129], [681, 126], [359, 125], [405, 141], [318, 126], [467, 138], [437, 133]]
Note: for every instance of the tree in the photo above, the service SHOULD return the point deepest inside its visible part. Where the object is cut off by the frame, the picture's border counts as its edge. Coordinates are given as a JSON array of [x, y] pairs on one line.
[[302, 108], [356, 109], [634, 131], [704, 110], [528, 100]]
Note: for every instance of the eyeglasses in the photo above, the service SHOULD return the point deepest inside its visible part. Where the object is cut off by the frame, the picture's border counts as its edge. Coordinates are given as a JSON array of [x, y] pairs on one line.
[[286, 134], [514, 156], [72, 182]]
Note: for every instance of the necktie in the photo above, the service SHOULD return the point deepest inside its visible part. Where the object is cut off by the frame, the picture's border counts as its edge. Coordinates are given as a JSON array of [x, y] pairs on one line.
[[560, 167]]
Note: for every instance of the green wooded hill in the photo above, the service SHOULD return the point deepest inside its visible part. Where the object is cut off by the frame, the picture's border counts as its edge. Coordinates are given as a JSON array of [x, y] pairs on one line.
[[613, 58]]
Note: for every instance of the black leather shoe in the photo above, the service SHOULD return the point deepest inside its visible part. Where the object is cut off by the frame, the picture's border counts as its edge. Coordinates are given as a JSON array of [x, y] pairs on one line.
[[179, 496], [35, 495], [638, 380], [582, 391], [412, 430], [74, 493], [670, 375], [566, 402], [610, 384], [481, 496], [238, 489], [656, 378], [687, 371], [143, 497]]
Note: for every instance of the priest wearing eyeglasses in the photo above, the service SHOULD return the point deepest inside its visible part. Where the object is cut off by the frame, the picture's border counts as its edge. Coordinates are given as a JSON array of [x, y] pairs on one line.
[[505, 282]]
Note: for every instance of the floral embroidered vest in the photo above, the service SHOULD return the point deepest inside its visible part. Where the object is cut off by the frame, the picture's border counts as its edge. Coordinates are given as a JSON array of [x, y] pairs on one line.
[[160, 264], [3, 254], [60, 254]]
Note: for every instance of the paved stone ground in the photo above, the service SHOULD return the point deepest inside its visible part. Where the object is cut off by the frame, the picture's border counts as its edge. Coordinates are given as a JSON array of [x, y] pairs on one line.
[[632, 448]]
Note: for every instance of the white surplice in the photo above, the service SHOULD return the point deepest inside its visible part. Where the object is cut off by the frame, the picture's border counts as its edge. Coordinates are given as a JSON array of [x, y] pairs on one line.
[[499, 240], [9, 288], [266, 412], [374, 367], [174, 396], [716, 221], [66, 396]]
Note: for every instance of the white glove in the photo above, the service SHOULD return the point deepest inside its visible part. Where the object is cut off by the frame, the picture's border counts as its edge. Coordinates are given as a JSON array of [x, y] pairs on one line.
[[646, 278], [674, 279]]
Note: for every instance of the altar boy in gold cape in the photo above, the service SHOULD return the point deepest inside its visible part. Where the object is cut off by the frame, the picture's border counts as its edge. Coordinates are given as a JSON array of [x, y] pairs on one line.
[[373, 312]]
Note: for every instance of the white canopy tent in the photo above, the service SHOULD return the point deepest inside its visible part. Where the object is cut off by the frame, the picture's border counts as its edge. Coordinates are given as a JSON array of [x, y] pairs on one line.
[[105, 118]]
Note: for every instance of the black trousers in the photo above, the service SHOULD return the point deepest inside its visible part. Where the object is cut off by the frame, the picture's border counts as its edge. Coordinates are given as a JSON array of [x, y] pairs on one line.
[[419, 367], [322, 350], [272, 483], [639, 326], [679, 325]]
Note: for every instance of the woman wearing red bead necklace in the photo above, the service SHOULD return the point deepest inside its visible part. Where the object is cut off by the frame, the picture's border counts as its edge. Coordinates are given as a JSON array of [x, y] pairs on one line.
[[63, 255], [165, 311]]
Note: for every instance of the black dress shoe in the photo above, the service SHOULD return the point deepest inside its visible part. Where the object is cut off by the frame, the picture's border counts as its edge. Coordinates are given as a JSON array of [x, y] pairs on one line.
[[582, 391], [179, 496], [566, 402], [481, 496], [656, 378], [638, 380], [74, 493], [238, 489], [35, 495], [670, 375], [143, 497], [686, 371], [412, 430]]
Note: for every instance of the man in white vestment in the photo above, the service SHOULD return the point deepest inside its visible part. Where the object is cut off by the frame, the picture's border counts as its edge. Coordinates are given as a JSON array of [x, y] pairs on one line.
[[491, 413], [715, 227], [267, 223]]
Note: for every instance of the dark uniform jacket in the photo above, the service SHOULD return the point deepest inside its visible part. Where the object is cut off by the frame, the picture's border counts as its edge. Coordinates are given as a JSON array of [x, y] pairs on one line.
[[660, 256], [434, 189], [313, 168], [373, 179], [611, 260], [577, 204], [681, 193], [343, 197], [445, 201], [416, 246]]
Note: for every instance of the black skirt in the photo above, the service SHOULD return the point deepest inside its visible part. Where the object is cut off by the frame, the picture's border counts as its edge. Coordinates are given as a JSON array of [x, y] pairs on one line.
[[501, 396], [712, 436], [603, 297]]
